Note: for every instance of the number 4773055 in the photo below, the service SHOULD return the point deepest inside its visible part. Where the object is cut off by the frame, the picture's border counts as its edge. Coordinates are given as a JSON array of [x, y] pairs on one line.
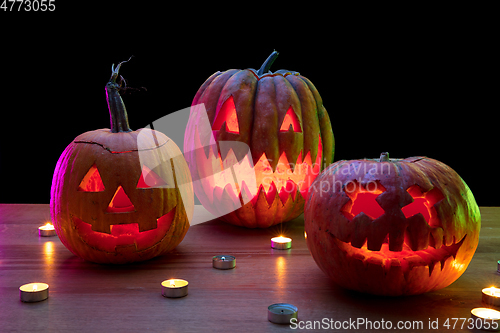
[[28, 5]]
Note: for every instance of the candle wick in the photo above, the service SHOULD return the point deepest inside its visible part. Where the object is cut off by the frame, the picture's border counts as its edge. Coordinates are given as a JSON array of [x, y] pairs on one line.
[[223, 258], [281, 311]]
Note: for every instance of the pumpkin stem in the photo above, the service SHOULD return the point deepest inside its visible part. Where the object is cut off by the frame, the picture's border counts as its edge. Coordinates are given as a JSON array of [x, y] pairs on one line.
[[268, 63], [384, 157], [117, 112]]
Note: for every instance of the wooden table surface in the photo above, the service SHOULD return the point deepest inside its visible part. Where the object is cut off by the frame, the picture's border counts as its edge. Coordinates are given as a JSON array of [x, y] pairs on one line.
[[98, 298]]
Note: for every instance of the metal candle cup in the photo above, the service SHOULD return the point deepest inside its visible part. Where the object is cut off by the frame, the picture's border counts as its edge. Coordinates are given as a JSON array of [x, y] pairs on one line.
[[174, 288], [491, 296], [281, 243], [224, 262], [486, 319], [47, 230], [281, 313], [34, 292]]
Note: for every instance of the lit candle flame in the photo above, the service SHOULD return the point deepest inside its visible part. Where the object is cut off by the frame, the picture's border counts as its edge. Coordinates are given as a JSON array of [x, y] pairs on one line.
[[172, 283], [35, 287], [281, 239], [494, 291], [223, 258], [47, 226]]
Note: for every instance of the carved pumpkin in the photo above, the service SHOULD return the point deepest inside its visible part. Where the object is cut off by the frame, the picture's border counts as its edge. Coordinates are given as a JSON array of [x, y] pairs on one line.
[[285, 139], [117, 195], [391, 227]]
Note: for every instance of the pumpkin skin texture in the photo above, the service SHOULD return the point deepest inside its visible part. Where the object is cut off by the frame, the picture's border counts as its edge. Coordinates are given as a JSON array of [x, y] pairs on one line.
[[391, 226], [106, 208], [281, 120]]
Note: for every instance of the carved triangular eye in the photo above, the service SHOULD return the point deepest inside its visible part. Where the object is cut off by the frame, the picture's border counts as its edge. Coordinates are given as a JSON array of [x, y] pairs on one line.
[[92, 181], [150, 179], [227, 114], [290, 120]]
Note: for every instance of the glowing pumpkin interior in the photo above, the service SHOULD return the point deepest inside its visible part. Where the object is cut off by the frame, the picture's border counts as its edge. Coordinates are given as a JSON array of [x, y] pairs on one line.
[[364, 200], [122, 234], [227, 114], [245, 180]]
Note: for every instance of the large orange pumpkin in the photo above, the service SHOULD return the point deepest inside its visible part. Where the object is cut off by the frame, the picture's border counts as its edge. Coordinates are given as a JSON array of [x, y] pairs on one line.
[[285, 139], [118, 195], [391, 226]]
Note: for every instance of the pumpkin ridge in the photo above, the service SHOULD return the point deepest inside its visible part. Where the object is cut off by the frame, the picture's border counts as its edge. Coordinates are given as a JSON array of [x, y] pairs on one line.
[[309, 116]]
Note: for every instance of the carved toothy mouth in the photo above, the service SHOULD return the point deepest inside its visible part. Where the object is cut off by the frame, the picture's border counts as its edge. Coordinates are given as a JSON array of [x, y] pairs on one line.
[[406, 259], [225, 166], [124, 237]]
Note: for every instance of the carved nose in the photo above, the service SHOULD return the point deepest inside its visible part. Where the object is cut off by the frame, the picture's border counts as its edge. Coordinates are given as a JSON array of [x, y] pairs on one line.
[[120, 203]]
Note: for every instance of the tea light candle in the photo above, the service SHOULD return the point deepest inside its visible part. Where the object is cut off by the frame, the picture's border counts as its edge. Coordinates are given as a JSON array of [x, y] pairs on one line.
[[174, 288], [47, 230], [281, 313], [224, 262], [491, 296], [281, 243], [486, 319], [34, 292]]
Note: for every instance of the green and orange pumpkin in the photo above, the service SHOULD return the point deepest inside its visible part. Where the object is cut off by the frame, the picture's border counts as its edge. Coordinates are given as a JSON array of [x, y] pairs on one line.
[[391, 226], [285, 138]]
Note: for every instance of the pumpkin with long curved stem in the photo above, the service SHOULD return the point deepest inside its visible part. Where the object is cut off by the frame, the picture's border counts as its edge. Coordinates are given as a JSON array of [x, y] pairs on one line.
[[285, 139], [119, 195], [391, 226]]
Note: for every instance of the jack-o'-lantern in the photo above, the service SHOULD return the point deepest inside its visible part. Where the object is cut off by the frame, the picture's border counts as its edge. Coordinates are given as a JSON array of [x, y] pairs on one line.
[[285, 138], [117, 195], [391, 226]]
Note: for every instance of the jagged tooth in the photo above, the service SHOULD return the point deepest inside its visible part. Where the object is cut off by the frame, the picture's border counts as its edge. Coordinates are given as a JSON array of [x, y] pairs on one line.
[[432, 243], [307, 159], [292, 188], [359, 237], [299, 158], [257, 197], [271, 194], [396, 242], [201, 146], [437, 234], [246, 194], [282, 167], [431, 267], [285, 197], [291, 158], [230, 159]]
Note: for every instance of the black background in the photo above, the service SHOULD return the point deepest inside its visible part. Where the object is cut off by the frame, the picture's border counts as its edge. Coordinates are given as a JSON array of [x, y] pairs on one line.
[[421, 84]]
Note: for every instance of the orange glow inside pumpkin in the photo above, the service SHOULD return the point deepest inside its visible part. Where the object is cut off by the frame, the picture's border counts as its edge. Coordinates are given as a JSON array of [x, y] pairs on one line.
[[227, 114], [363, 200], [124, 235], [423, 203], [92, 181], [290, 120]]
